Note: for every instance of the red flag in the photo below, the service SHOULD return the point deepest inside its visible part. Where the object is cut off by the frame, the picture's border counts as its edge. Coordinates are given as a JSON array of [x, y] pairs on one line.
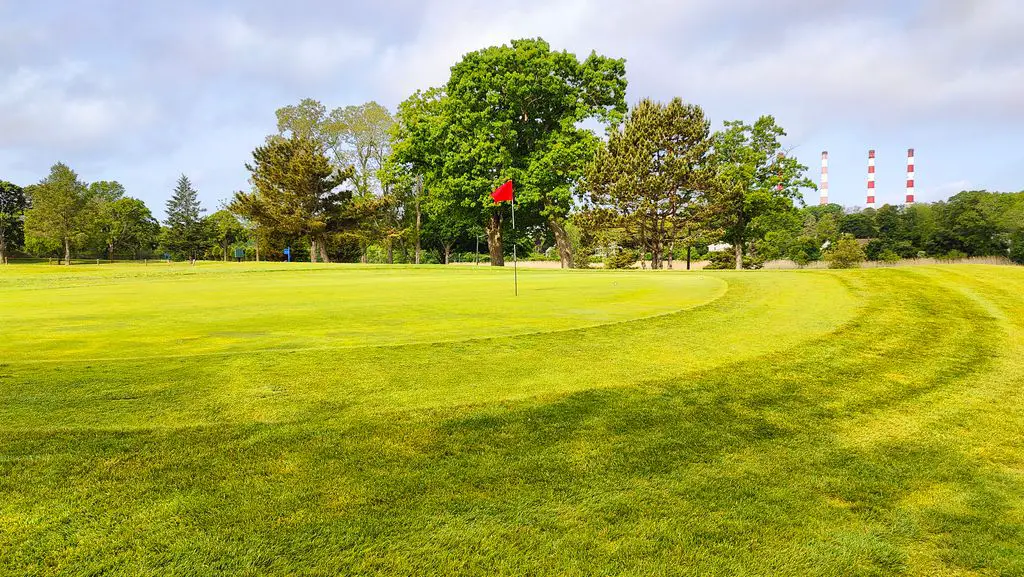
[[503, 192]]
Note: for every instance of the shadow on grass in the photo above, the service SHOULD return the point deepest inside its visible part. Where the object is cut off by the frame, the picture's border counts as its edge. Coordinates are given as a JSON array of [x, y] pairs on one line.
[[742, 470]]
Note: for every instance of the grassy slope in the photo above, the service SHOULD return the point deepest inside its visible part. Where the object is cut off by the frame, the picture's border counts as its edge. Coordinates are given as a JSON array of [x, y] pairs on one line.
[[809, 423]]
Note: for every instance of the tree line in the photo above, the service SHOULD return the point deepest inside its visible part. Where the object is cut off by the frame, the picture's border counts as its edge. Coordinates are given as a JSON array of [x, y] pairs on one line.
[[594, 180]]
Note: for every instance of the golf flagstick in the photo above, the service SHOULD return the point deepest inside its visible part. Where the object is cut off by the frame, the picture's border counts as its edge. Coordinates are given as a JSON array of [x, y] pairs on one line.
[[515, 259], [502, 194]]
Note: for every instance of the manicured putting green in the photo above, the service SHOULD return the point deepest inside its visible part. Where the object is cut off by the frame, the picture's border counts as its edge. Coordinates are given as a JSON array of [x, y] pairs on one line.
[[169, 310], [812, 423]]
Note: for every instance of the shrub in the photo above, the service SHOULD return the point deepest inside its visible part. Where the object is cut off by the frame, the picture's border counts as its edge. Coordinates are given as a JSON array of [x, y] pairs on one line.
[[725, 260], [845, 253], [800, 257], [623, 258], [873, 250], [1017, 248], [954, 255], [889, 257]]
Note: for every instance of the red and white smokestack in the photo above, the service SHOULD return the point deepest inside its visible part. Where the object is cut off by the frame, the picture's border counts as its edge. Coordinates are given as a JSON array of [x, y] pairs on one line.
[[910, 176], [824, 178], [871, 179]]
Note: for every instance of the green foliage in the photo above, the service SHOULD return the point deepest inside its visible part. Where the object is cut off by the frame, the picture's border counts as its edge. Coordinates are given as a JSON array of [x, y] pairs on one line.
[[12, 211], [1017, 248], [307, 120], [295, 193], [652, 176], [186, 235], [756, 178], [226, 230], [724, 260], [968, 223], [845, 253], [106, 191], [800, 257], [364, 142], [889, 257], [125, 223], [61, 211], [622, 258], [859, 224], [510, 112]]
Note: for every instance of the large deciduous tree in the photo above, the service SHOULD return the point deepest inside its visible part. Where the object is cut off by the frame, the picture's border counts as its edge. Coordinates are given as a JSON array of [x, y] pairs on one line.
[[12, 213], [651, 177], [363, 141], [358, 137], [186, 234], [59, 212], [308, 119], [364, 137], [226, 230], [106, 190], [126, 223], [755, 177], [416, 164], [513, 112], [295, 192]]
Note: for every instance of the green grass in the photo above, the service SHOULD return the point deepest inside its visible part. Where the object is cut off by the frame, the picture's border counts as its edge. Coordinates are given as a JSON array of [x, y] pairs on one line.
[[337, 420]]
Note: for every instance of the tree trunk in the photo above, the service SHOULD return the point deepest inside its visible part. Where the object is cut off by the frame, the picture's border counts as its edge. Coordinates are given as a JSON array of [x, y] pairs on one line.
[[3, 248], [419, 250], [738, 248], [448, 253], [110, 251], [391, 251], [318, 250], [562, 242], [671, 250], [494, 243], [688, 248], [67, 251], [362, 254], [257, 249]]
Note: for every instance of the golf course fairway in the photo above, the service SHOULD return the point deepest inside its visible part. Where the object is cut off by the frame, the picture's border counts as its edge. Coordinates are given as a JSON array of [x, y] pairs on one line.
[[296, 419]]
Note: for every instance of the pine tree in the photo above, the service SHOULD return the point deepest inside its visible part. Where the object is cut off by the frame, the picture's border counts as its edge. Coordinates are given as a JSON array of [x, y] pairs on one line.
[[186, 235], [651, 178], [296, 193]]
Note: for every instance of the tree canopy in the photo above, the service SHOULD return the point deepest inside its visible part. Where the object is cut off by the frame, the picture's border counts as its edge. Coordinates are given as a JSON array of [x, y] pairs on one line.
[[511, 112], [296, 192], [755, 178], [186, 234], [12, 213], [59, 215], [652, 177]]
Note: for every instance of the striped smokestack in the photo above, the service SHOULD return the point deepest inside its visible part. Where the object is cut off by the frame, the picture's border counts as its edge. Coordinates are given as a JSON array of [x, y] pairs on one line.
[[910, 176], [824, 178], [871, 179]]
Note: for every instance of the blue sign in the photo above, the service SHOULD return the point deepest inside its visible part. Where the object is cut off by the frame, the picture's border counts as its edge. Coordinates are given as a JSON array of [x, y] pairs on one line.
[[288, 253]]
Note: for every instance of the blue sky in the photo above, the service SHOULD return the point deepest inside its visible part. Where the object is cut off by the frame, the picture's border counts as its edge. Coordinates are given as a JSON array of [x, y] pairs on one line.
[[141, 92]]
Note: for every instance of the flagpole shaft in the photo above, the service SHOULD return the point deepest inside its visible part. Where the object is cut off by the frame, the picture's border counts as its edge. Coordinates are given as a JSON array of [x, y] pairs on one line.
[[515, 259]]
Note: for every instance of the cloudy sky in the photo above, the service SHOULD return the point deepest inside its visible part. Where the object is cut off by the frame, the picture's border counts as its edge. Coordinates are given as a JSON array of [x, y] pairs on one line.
[[141, 92]]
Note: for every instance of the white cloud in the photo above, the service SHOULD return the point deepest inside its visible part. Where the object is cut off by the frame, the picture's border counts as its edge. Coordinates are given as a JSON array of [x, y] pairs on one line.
[[64, 106], [306, 56]]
